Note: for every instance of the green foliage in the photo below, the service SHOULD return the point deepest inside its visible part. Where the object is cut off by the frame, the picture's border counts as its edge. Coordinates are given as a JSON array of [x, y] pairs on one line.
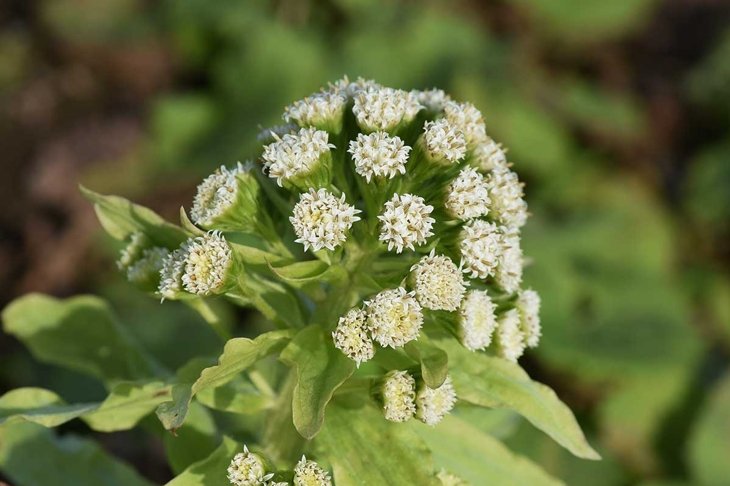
[[710, 440], [506, 385]]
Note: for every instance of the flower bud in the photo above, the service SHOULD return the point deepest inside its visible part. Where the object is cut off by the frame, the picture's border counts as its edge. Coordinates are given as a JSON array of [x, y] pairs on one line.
[[437, 282], [141, 262], [399, 396], [228, 200], [432, 404], [323, 111], [394, 317], [405, 222], [301, 161], [321, 220], [468, 119], [442, 143], [510, 340], [528, 305], [384, 109], [467, 196], [208, 266], [489, 155], [481, 248], [476, 320], [378, 155], [506, 204], [351, 336], [508, 274], [247, 469], [309, 473]]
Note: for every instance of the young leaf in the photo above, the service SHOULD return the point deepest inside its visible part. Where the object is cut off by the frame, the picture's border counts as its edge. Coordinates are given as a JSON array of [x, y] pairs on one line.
[[210, 471], [299, 274], [321, 369], [121, 218], [80, 333], [39, 406], [239, 396], [32, 455], [126, 405], [434, 361], [238, 354], [478, 458], [365, 449], [497, 383]]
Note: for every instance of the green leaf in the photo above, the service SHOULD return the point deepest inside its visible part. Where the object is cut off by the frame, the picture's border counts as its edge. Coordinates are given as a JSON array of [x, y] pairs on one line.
[[121, 218], [239, 396], [434, 361], [321, 369], [80, 333], [192, 442], [300, 274], [210, 471], [188, 225], [238, 354], [365, 449], [126, 405], [710, 440], [497, 383], [479, 458], [32, 455], [39, 406]]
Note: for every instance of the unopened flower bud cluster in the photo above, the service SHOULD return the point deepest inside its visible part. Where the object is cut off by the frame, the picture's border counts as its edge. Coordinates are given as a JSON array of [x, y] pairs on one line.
[[250, 469]]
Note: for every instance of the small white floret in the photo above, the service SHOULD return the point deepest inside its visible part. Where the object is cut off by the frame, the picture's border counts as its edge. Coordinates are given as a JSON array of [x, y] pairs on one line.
[[467, 195], [405, 222], [399, 396], [394, 317], [352, 338], [432, 404], [378, 155], [510, 339], [437, 282], [476, 321], [481, 248], [321, 220]]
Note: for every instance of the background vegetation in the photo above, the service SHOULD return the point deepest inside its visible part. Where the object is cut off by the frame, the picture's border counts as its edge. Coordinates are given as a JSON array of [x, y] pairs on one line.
[[616, 114]]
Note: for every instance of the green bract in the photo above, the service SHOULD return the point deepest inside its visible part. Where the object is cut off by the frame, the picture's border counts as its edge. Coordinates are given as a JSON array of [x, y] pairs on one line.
[[380, 238]]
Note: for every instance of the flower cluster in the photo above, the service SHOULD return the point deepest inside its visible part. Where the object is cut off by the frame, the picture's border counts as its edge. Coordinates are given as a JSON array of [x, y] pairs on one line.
[[389, 218], [250, 469]]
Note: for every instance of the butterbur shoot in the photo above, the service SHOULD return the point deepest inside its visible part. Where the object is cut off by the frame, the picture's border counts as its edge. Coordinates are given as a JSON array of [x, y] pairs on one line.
[[378, 233]]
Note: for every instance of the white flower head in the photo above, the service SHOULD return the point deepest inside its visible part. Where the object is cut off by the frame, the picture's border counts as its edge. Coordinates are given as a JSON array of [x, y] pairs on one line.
[[511, 262], [481, 248], [294, 156], [379, 155], [321, 220], [433, 403], [445, 142], [394, 317], [467, 195], [489, 155], [352, 338], [207, 263], [384, 109], [506, 198], [321, 110], [399, 396], [510, 339], [171, 273], [476, 320], [528, 304], [405, 222], [434, 100], [468, 119], [217, 194], [147, 267], [246, 469], [437, 282], [309, 473]]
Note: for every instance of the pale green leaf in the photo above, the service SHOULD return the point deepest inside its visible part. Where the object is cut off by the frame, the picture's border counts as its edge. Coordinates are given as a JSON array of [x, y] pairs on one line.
[[126, 405], [210, 471], [31, 455], [39, 406], [80, 333], [479, 458], [497, 383], [434, 361], [192, 442], [238, 354], [321, 369], [239, 396], [121, 218], [364, 449]]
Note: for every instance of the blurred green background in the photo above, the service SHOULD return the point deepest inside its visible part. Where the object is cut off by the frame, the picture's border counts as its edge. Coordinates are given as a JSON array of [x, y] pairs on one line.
[[616, 115]]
